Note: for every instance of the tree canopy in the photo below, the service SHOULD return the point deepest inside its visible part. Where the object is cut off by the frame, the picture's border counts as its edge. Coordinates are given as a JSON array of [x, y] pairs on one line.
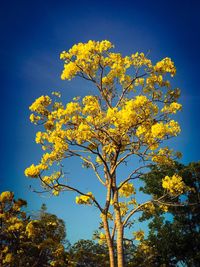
[[27, 241], [129, 117], [176, 240]]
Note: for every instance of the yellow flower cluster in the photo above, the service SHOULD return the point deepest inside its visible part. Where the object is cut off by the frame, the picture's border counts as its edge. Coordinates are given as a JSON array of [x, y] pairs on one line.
[[85, 199], [31, 228], [91, 105], [149, 207], [58, 256], [139, 60], [160, 130], [102, 239], [87, 58], [40, 105], [83, 133], [34, 171], [124, 207], [126, 190], [165, 65], [172, 108], [150, 133], [163, 156], [133, 112], [8, 259], [15, 225], [34, 119], [139, 235], [53, 224], [83, 56], [6, 196], [71, 108], [155, 79], [56, 192], [164, 208], [174, 185], [57, 94]]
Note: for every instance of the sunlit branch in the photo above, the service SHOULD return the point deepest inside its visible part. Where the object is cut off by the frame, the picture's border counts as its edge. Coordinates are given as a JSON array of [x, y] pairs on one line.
[[98, 154], [70, 188], [184, 204], [123, 158], [138, 208], [133, 211], [134, 172], [108, 196], [95, 169], [127, 87], [95, 82]]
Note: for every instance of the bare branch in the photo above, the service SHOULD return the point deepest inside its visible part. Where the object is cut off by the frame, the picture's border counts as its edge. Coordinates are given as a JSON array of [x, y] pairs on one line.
[[70, 188], [135, 210], [127, 87], [94, 168], [132, 173]]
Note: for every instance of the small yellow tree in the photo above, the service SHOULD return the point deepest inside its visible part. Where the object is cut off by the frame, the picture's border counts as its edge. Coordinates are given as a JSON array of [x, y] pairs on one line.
[[128, 117], [26, 241]]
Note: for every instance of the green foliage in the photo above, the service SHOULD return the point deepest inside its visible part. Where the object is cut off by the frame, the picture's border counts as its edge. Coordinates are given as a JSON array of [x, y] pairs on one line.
[[178, 240], [87, 253]]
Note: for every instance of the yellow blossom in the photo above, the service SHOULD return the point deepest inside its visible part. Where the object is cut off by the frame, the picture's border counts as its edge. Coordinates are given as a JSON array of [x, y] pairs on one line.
[[34, 171], [158, 130], [172, 108], [163, 156], [6, 195], [174, 185], [165, 65], [139, 235], [8, 258], [31, 228], [85, 199], [126, 190], [40, 105], [149, 207], [164, 208]]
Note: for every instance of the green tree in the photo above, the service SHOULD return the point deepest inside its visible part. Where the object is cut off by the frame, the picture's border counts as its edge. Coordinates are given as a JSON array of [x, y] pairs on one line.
[[87, 253], [129, 117], [177, 240]]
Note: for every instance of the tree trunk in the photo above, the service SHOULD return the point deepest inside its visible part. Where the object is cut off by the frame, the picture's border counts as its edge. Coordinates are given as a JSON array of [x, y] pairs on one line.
[[119, 228], [120, 250], [109, 241]]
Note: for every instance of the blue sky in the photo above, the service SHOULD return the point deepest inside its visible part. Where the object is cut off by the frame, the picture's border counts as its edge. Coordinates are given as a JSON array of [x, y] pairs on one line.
[[33, 33]]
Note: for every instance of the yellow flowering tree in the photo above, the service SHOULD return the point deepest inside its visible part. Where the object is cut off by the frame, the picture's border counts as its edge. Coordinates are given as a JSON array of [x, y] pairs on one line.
[[12, 227], [128, 118], [27, 242]]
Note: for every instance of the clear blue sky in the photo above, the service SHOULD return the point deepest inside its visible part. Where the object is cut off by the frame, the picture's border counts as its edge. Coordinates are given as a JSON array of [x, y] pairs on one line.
[[33, 33]]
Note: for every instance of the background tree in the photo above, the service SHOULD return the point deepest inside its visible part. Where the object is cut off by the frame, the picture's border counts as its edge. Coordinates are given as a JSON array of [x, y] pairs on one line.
[[37, 242], [129, 117], [12, 228], [88, 253], [46, 234], [174, 241]]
